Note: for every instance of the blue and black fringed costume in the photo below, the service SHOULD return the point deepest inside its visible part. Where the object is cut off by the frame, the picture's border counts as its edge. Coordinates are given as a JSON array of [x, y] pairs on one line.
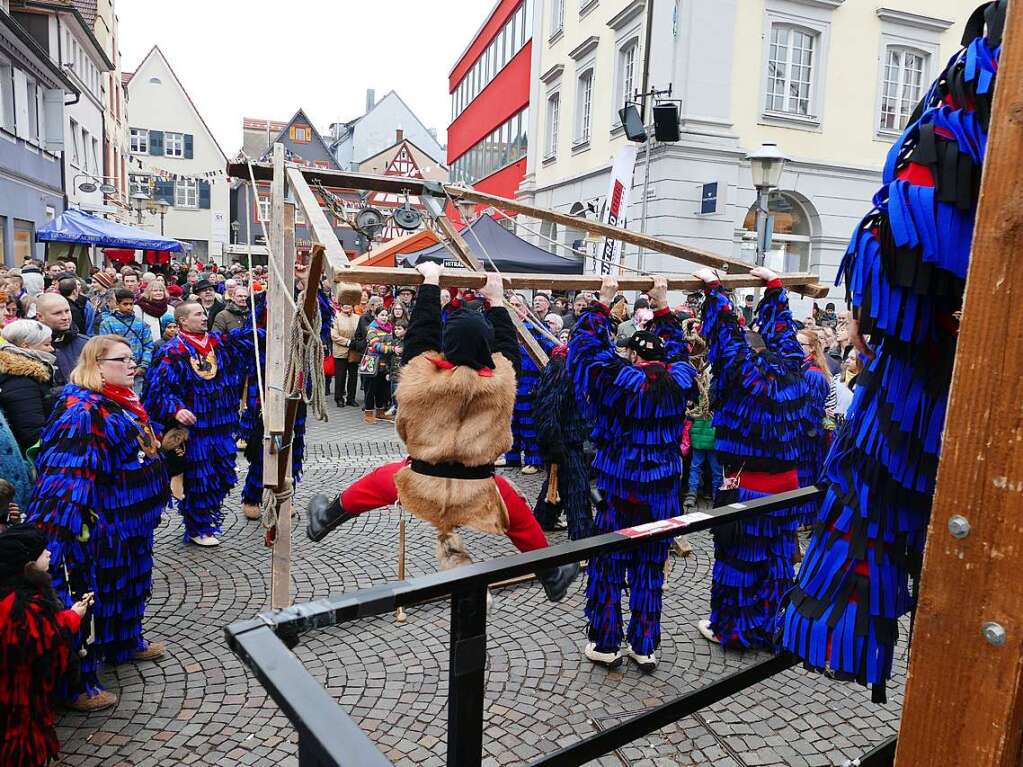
[[525, 448], [758, 402], [904, 270], [561, 432], [252, 416], [99, 497], [813, 437], [637, 413], [174, 383]]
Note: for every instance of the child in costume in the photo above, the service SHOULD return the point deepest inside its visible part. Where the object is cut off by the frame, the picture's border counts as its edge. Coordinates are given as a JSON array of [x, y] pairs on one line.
[[905, 272], [637, 408], [561, 432], [100, 492], [759, 399], [37, 648]]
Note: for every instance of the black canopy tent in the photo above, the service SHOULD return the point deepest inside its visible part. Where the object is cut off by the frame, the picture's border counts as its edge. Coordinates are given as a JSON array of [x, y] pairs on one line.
[[509, 253]]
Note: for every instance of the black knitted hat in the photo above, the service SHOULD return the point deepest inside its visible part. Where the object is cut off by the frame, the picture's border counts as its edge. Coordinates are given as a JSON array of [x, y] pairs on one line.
[[468, 340]]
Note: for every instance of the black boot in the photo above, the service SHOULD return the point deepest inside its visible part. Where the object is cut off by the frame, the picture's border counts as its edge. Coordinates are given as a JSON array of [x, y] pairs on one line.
[[556, 582], [324, 516]]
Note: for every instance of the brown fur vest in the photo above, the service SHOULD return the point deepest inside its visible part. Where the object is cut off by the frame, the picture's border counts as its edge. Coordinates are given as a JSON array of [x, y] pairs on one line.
[[454, 416]]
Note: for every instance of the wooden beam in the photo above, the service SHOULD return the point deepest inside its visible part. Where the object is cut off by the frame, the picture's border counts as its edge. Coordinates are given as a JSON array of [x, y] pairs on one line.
[[702, 257], [277, 302], [454, 242], [964, 694], [420, 188], [456, 278], [323, 232]]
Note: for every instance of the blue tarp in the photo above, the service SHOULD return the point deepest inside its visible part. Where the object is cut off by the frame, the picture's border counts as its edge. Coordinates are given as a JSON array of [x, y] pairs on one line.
[[80, 228], [510, 253]]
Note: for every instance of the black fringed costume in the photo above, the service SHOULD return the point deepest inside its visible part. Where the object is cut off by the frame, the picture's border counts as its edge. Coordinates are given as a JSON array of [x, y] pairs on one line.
[[561, 432], [904, 270]]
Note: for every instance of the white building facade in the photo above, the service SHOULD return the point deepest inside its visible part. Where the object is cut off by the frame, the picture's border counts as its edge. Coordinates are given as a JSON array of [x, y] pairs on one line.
[[176, 162], [831, 82]]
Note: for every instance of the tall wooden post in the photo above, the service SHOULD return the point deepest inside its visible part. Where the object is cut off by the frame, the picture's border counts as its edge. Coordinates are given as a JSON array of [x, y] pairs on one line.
[[964, 695]]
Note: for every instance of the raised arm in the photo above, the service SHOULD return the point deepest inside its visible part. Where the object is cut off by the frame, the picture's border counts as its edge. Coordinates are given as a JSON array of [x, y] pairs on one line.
[[592, 359], [424, 330], [666, 326], [774, 321]]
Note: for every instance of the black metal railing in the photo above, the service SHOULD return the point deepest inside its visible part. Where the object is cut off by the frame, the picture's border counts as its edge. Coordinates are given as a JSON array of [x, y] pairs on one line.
[[328, 737]]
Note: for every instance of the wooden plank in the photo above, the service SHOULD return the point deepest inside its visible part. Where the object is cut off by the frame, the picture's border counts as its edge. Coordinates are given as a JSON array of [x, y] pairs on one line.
[[454, 242], [420, 188], [454, 278], [323, 232], [964, 695], [279, 313]]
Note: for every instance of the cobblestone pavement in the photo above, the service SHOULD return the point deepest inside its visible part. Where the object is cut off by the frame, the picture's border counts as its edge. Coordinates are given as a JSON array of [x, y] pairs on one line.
[[199, 705]]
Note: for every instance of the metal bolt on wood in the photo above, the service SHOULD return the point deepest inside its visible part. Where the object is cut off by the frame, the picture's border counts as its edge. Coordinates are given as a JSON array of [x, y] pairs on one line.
[[994, 633], [959, 526]]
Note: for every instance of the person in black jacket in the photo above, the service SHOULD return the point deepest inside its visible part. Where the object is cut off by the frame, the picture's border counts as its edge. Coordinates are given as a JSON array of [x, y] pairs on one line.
[[55, 312], [27, 366]]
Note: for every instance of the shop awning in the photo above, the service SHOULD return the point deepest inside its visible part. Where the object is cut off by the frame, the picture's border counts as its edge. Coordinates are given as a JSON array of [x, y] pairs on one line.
[[76, 227]]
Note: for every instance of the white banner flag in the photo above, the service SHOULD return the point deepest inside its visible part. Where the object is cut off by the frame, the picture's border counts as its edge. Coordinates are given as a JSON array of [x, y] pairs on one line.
[[617, 207]]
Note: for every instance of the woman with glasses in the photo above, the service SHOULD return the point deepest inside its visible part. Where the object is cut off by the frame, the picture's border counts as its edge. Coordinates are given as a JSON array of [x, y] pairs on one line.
[[100, 491]]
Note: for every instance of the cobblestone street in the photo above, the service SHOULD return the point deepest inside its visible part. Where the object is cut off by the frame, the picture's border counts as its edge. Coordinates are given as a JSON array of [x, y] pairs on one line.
[[199, 705]]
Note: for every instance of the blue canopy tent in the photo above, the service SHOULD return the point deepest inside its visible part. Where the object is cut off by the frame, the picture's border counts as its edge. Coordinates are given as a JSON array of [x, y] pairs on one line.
[[509, 253], [76, 227]]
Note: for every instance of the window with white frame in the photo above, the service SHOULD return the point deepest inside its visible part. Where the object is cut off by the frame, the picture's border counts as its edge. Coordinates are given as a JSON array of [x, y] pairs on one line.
[[76, 152], [583, 106], [901, 86], [186, 193], [790, 70], [174, 144], [139, 141], [557, 17], [138, 183], [264, 208], [627, 56], [550, 144], [96, 167]]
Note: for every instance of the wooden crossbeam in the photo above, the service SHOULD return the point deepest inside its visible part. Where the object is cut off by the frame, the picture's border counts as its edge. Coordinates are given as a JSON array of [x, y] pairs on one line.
[[456, 278], [323, 232], [964, 694], [425, 189]]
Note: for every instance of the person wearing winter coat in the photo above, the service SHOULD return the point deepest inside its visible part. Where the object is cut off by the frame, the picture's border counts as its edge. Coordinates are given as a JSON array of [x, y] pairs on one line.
[[123, 322], [153, 306], [27, 366], [235, 313], [374, 367], [55, 312], [346, 359]]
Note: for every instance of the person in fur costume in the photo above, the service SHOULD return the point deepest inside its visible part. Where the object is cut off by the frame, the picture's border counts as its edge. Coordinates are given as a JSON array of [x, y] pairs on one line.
[[561, 432], [758, 399], [456, 397], [905, 271], [99, 495], [637, 407], [196, 383], [37, 648]]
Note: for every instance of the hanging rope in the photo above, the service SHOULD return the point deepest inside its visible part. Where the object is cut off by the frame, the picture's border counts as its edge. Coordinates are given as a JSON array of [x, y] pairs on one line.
[[304, 363]]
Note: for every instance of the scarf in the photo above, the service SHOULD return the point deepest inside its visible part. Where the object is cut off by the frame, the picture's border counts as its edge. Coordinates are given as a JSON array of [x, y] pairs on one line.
[[386, 327], [126, 397], [202, 344], [153, 307]]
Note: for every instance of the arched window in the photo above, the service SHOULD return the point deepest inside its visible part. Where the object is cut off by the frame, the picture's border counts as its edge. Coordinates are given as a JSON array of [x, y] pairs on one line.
[[790, 246]]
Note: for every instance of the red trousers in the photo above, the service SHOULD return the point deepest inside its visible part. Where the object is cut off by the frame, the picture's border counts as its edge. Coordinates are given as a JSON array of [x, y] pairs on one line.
[[377, 489]]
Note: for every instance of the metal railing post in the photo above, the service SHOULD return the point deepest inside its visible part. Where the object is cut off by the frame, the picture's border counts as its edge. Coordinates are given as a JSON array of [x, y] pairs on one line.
[[466, 678]]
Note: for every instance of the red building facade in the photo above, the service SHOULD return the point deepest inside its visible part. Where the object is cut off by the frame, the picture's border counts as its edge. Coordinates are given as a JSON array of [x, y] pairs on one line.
[[489, 86]]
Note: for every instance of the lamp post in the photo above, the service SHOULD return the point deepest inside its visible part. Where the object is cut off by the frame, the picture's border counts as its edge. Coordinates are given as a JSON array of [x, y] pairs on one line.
[[766, 165], [139, 199], [161, 208]]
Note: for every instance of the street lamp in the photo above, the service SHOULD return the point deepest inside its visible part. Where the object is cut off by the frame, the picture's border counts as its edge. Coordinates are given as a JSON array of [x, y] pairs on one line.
[[235, 227], [139, 199], [161, 208], [766, 166]]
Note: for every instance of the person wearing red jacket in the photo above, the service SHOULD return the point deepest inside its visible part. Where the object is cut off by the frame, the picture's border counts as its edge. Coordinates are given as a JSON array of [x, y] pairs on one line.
[[36, 647]]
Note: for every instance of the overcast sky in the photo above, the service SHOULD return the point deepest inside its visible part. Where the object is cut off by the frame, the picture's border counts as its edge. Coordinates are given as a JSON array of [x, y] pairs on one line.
[[267, 58]]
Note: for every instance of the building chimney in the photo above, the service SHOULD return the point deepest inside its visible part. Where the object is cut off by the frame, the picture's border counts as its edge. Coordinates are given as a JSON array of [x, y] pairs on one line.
[[399, 135], [371, 99]]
